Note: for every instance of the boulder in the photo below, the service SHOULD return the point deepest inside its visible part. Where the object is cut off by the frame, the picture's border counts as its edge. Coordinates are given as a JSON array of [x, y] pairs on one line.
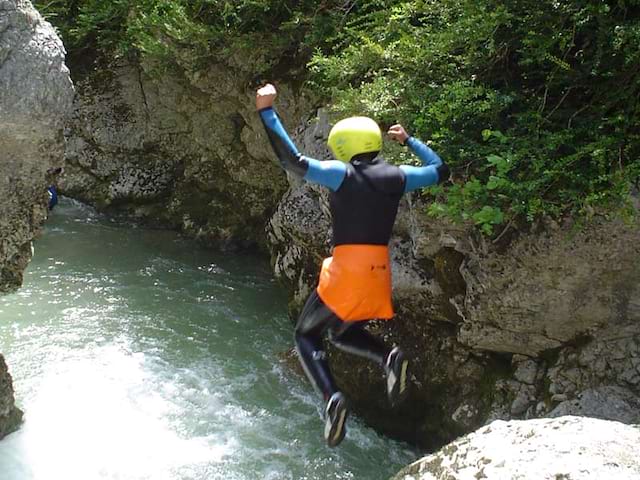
[[36, 94], [607, 402], [10, 416], [565, 448]]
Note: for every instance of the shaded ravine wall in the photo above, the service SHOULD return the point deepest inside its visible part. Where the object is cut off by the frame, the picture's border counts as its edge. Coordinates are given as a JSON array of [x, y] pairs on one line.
[[542, 324], [35, 96], [177, 150]]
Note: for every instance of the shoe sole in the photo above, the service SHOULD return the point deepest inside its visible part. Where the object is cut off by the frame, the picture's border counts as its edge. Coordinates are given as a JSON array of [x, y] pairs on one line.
[[399, 390], [403, 378], [336, 427]]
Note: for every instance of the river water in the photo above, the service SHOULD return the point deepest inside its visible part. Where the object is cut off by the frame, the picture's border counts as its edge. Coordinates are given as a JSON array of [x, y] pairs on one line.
[[136, 354]]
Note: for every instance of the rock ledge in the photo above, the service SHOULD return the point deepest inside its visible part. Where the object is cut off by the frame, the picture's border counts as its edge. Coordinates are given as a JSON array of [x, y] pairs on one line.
[[565, 448]]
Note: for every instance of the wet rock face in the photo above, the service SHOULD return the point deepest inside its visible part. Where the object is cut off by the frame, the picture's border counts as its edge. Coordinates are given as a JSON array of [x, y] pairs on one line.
[[562, 448], [35, 96], [554, 288], [10, 416], [178, 149]]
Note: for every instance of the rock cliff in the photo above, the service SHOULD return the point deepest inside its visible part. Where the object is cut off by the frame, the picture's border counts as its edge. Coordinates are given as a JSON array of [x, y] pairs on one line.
[[35, 96], [174, 149], [564, 448]]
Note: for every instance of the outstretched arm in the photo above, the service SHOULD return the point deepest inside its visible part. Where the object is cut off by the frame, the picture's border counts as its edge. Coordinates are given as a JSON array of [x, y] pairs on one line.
[[329, 173], [433, 169]]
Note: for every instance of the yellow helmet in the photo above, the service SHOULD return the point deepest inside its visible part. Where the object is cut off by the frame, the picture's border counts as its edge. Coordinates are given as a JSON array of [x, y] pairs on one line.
[[353, 136]]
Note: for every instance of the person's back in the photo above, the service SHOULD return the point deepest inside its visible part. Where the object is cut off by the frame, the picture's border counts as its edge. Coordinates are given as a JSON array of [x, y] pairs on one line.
[[364, 208], [355, 281]]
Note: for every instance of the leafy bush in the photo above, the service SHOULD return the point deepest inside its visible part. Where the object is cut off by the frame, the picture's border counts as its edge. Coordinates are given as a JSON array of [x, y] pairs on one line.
[[534, 104], [204, 30]]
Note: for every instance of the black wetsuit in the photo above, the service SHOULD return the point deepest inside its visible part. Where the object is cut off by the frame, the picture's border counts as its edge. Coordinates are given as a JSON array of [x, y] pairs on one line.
[[364, 200], [363, 211]]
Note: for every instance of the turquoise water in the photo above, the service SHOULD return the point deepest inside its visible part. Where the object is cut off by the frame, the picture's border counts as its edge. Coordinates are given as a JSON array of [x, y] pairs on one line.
[[136, 354]]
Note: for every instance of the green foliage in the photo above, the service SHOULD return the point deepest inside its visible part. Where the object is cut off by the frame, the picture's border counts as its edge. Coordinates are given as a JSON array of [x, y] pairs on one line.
[[534, 104], [199, 30]]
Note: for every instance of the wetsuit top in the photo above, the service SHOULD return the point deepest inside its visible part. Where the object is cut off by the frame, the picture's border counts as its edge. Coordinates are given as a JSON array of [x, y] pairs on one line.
[[355, 282], [364, 195]]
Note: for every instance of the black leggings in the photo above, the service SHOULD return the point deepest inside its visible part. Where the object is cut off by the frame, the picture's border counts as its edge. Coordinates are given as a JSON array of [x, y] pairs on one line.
[[314, 321]]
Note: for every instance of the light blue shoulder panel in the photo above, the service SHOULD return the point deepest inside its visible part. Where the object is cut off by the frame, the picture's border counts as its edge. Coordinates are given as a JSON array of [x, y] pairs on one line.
[[329, 173]]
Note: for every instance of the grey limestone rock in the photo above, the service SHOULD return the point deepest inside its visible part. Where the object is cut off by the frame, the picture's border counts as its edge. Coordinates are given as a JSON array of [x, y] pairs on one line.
[[10, 416], [527, 370], [553, 288], [35, 96], [567, 448], [35, 87], [184, 149], [607, 402]]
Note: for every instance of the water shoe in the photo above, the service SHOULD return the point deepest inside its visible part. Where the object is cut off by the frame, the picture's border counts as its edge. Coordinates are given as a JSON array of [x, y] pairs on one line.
[[335, 417], [396, 369]]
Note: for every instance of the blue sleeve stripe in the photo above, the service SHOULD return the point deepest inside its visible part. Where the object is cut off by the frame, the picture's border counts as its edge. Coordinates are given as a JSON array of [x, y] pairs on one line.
[[418, 177], [423, 152], [272, 121], [329, 173]]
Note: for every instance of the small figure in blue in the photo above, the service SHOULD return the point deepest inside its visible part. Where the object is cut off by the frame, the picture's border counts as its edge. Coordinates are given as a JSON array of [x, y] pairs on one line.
[[355, 282], [52, 190]]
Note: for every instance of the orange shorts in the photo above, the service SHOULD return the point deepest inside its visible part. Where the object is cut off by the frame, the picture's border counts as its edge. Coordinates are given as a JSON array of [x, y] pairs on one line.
[[355, 283]]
